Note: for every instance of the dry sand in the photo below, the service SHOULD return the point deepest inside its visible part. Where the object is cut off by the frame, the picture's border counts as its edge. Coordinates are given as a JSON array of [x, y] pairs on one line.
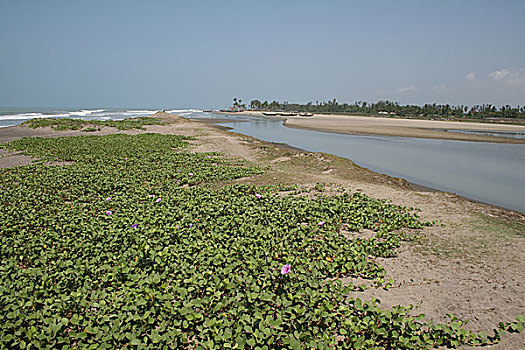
[[471, 263], [433, 129]]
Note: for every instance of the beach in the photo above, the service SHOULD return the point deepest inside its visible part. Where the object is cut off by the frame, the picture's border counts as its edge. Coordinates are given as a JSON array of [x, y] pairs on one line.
[[470, 263], [399, 127]]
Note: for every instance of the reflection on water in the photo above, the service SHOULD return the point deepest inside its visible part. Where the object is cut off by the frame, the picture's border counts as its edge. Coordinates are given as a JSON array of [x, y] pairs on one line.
[[489, 172], [509, 134]]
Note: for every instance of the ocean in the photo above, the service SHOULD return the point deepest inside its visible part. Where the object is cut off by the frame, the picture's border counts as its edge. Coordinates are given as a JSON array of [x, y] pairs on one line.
[[10, 116]]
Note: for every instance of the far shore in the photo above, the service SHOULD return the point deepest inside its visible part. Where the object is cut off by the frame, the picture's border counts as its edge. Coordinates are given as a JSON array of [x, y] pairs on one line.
[[365, 125]]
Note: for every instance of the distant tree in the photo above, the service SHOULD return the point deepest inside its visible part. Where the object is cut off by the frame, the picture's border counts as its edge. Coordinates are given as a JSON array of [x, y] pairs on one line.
[[394, 108]]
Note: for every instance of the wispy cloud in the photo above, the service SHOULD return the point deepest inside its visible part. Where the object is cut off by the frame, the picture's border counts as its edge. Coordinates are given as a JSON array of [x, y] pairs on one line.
[[499, 74], [511, 76], [499, 87], [410, 88]]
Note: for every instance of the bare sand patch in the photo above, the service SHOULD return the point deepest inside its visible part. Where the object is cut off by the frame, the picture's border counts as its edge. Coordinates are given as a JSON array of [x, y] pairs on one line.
[[280, 159], [13, 160]]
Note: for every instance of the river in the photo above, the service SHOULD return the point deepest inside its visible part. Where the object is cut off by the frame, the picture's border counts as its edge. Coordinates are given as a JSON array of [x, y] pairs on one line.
[[488, 172]]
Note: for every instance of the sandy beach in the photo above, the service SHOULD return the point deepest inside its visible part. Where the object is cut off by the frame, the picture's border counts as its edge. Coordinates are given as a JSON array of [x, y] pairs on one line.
[[471, 263], [433, 129]]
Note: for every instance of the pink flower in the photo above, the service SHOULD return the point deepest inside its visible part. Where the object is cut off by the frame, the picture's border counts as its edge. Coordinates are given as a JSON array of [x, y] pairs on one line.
[[125, 158], [177, 226], [258, 195], [158, 200], [190, 225], [190, 174], [285, 269], [109, 212], [321, 223], [108, 199]]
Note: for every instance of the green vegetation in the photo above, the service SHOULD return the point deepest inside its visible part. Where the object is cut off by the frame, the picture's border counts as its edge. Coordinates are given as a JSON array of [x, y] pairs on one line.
[[393, 108], [139, 244], [91, 125], [238, 105], [498, 227]]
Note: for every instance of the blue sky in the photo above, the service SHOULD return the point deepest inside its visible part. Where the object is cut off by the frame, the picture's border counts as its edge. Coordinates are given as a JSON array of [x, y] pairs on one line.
[[202, 53]]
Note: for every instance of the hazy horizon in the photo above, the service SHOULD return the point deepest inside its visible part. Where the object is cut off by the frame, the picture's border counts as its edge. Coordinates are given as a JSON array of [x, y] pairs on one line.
[[134, 54]]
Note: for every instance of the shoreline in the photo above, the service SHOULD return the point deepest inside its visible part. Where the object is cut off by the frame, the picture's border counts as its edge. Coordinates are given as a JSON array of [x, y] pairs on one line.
[[415, 186], [396, 127]]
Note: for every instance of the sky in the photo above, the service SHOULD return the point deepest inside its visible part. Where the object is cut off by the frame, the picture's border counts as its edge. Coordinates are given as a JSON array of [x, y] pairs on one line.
[[66, 53]]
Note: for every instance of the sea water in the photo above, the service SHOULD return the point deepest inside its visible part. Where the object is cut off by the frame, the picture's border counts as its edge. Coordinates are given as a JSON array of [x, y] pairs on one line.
[[10, 116]]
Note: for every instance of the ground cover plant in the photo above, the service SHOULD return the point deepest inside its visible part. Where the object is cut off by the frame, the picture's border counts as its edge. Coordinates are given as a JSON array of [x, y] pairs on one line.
[[137, 244], [91, 125]]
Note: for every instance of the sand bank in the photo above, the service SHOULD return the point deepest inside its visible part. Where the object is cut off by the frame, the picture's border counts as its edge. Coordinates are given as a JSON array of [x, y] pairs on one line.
[[433, 129]]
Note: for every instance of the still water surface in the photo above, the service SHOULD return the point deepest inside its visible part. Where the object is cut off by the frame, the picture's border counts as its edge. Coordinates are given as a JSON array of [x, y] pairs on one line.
[[488, 172]]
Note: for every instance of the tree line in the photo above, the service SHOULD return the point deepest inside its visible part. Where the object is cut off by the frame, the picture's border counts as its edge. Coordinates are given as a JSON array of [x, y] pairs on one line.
[[485, 111]]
